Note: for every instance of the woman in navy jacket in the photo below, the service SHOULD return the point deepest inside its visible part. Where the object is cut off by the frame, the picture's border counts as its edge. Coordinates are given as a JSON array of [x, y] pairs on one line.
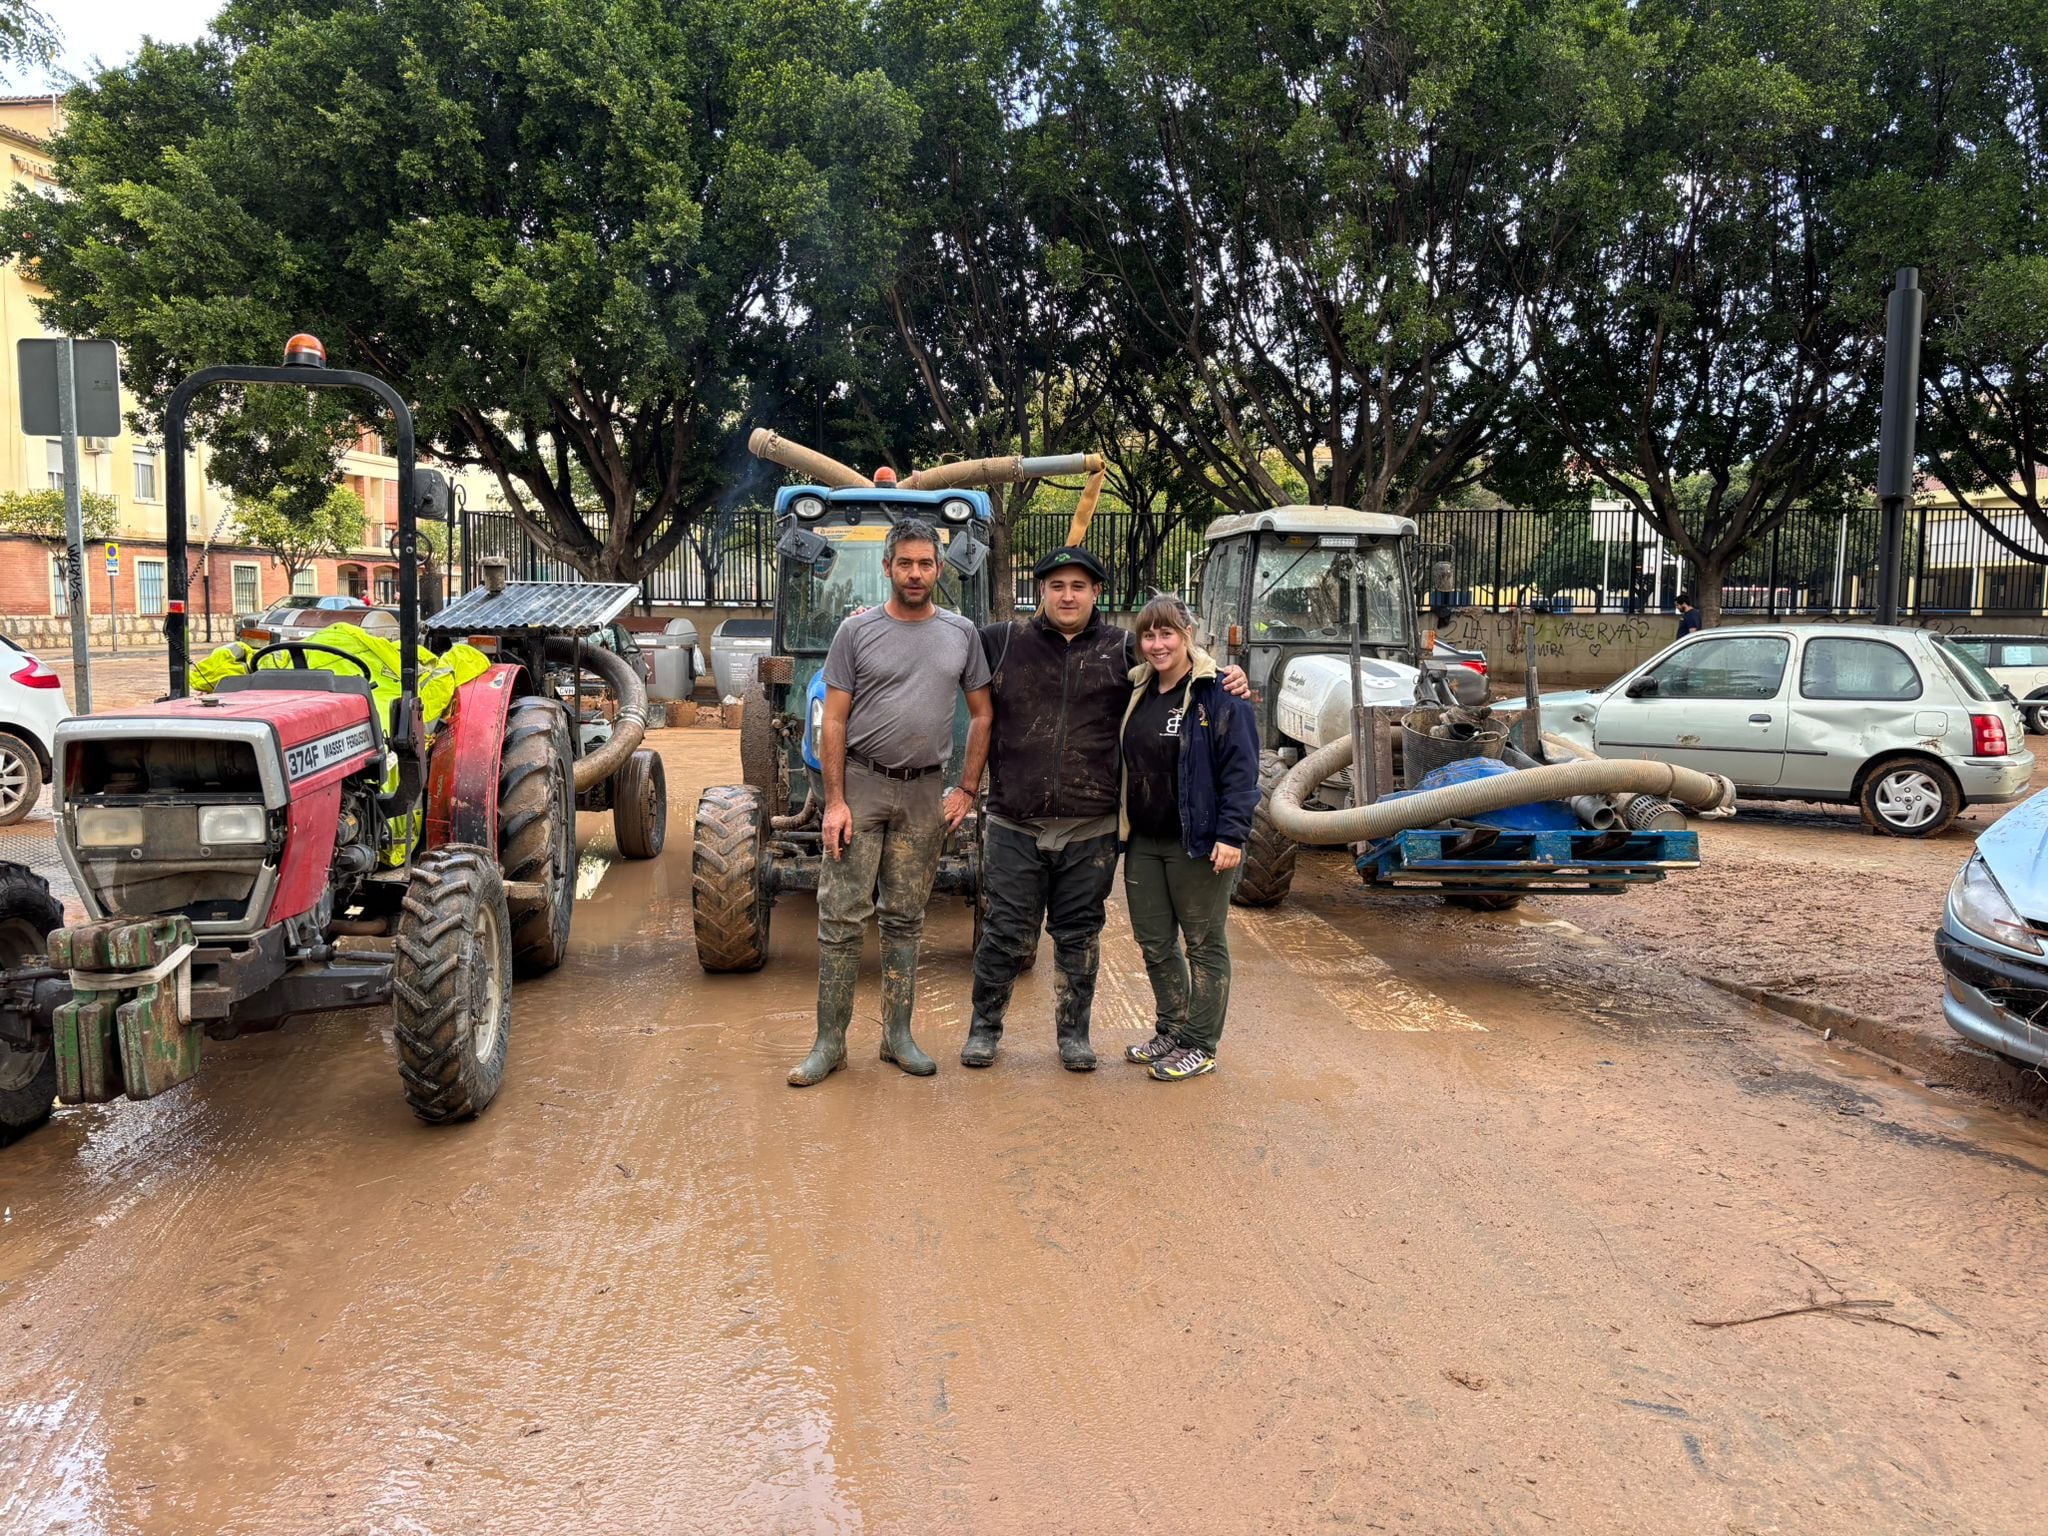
[[1190, 785]]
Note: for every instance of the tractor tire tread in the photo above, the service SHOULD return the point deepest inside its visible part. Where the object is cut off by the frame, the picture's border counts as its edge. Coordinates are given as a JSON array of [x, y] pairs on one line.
[[1267, 872], [728, 912], [640, 805], [442, 1077], [536, 736], [25, 896]]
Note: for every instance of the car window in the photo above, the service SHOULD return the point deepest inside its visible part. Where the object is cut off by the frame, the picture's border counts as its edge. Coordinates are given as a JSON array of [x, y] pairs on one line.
[[1968, 672], [1727, 667], [1857, 669], [2017, 653], [1974, 647]]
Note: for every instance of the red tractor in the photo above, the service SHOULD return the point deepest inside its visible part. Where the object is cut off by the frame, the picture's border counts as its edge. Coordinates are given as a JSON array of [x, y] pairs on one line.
[[292, 843]]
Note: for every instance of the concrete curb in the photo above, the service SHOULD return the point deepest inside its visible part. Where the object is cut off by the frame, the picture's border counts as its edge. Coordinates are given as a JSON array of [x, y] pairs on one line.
[[1934, 1062]]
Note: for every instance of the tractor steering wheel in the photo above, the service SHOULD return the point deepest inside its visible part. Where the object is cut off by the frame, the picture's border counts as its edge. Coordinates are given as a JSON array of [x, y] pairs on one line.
[[297, 650]]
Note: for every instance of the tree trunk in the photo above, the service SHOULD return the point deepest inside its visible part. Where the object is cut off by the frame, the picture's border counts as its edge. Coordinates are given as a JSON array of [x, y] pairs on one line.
[[1706, 578], [1001, 604]]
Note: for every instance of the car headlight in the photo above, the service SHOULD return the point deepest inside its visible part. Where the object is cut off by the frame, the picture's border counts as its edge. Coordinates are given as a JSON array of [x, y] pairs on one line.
[[1980, 905], [809, 508], [957, 511], [233, 824], [110, 826]]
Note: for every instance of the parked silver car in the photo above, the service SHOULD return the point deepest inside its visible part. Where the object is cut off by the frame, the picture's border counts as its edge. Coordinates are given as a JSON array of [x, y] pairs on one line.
[[1895, 721]]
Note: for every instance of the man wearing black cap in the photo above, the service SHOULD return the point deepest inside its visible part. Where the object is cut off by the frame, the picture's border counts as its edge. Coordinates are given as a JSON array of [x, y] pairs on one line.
[[1061, 681]]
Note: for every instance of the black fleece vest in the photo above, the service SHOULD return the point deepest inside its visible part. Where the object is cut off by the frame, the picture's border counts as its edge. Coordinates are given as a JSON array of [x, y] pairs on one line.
[[1059, 710]]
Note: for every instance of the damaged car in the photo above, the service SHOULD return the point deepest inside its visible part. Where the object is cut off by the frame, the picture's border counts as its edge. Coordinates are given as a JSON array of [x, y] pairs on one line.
[[1993, 940]]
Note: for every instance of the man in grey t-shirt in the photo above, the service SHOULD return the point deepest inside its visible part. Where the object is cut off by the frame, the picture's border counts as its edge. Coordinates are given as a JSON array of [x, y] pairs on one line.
[[890, 680]]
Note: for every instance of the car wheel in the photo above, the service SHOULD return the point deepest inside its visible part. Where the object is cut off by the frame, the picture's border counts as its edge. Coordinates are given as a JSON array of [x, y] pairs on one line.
[[21, 778], [2035, 713], [1910, 797]]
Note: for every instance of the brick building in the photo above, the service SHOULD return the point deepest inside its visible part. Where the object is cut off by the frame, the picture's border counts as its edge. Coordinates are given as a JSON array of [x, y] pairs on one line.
[[226, 577]]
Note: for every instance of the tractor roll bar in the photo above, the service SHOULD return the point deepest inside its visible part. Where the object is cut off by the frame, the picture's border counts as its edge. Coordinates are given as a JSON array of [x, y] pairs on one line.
[[301, 377]]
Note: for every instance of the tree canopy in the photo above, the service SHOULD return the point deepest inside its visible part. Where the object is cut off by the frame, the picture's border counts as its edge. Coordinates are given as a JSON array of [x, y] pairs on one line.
[[1391, 255]]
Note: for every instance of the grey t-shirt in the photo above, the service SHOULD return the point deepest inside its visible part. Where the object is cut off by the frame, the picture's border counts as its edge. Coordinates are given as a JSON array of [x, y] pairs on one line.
[[904, 677]]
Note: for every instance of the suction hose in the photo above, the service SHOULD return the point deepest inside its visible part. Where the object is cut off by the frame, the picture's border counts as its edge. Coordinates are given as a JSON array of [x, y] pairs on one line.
[[631, 724], [1560, 781]]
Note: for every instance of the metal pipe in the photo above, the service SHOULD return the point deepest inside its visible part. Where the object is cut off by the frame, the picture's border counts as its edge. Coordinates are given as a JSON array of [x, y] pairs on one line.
[[808, 462], [628, 728], [1559, 781], [1008, 470], [1903, 314]]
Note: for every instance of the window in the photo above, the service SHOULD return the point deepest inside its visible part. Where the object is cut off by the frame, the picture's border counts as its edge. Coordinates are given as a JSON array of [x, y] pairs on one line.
[[149, 587], [60, 595], [56, 463], [1856, 669], [1727, 667], [1975, 647], [387, 587], [248, 587], [305, 583], [1968, 672], [2014, 653], [145, 474], [1222, 587]]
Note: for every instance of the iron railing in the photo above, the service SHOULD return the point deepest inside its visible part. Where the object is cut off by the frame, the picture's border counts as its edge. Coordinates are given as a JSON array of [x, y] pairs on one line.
[[1597, 561]]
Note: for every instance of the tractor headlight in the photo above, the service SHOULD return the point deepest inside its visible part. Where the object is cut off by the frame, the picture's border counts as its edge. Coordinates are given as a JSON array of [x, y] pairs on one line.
[[957, 511], [110, 826], [809, 508], [220, 824], [817, 723]]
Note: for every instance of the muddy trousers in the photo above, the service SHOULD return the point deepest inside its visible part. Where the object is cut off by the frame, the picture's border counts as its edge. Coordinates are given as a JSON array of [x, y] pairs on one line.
[[1026, 886], [886, 872], [1174, 898]]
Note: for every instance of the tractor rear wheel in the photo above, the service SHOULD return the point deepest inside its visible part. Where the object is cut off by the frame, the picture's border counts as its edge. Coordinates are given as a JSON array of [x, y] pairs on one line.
[[537, 830], [28, 1073], [1267, 873], [640, 805], [729, 896], [451, 985]]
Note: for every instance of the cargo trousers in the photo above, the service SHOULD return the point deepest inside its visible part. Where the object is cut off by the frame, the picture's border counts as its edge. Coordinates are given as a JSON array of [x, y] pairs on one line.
[[899, 827]]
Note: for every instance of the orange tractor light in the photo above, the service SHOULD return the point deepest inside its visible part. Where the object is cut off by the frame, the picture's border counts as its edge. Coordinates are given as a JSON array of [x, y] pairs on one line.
[[885, 476], [305, 351]]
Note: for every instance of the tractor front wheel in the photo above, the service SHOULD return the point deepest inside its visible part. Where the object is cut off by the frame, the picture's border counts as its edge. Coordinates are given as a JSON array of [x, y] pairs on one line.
[[28, 1073], [537, 830], [451, 986], [640, 805], [1267, 873], [729, 894]]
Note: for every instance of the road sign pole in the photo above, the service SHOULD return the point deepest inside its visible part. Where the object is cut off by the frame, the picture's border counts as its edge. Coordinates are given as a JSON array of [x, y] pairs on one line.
[[74, 532], [113, 613]]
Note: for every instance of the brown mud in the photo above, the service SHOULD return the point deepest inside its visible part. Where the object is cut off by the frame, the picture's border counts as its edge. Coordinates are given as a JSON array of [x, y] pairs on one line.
[[1428, 1253]]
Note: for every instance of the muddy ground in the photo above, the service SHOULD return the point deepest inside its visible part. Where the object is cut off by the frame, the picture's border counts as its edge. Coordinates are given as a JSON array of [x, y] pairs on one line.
[[1434, 1251]]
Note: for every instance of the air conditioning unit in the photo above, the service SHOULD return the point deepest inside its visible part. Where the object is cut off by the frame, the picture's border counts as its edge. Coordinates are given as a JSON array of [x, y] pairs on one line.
[[94, 444]]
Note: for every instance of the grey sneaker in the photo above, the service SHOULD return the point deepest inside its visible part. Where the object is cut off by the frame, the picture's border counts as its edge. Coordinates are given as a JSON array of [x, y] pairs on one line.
[[1155, 1049], [1188, 1061]]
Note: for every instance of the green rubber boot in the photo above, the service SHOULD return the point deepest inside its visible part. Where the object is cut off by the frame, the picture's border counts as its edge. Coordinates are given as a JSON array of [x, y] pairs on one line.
[[836, 975], [899, 995]]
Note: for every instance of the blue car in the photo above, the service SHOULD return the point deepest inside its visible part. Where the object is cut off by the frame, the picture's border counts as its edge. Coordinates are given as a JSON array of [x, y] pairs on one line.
[[1993, 941]]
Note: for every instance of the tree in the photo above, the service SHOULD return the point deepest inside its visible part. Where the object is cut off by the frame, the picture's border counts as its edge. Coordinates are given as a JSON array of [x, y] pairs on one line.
[[296, 537], [41, 515], [580, 235], [28, 39], [1299, 220], [1961, 191], [1706, 350]]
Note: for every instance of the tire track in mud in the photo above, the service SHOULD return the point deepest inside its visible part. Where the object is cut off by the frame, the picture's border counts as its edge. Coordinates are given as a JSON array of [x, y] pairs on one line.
[[183, 1174]]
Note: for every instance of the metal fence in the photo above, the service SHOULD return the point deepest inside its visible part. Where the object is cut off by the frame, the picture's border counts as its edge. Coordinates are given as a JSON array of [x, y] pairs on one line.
[[1609, 561], [1596, 561]]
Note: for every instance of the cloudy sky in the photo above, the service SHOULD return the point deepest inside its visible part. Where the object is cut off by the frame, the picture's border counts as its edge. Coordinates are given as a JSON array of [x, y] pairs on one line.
[[109, 31]]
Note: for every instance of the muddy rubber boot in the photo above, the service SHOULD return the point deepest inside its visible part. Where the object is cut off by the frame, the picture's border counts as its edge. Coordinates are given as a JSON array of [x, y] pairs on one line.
[[899, 995], [836, 974], [1076, 1054], [1072, 992], [982, 1040]]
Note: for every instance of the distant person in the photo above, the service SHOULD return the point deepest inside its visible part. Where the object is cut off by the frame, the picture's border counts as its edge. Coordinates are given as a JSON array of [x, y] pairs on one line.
[[1688, 616], [1190, 786], [890, 681]]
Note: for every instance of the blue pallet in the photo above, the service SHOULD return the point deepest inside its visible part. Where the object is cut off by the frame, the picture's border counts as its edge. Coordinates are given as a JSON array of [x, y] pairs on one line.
[[1497, 859]]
